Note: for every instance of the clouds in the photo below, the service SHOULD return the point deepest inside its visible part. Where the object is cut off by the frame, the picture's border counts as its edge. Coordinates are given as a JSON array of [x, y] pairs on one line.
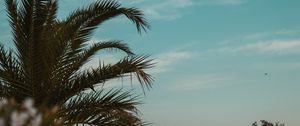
[[132, 1], [228, 2], [278, 33], [164, 62], [168, 61], [266, 47], [168, 10], [199, 82], [278, 42]]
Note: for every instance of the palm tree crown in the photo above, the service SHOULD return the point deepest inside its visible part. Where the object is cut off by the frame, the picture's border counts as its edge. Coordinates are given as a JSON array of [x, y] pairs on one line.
[[46, 62]]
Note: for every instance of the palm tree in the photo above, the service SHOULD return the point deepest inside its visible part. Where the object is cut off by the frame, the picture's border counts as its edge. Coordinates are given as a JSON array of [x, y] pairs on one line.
[[46, 62]]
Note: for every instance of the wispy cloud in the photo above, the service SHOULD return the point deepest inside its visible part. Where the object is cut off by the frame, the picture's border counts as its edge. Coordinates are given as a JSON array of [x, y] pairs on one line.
[[167, 61], [278, 33], [172, 9], [132, 1], [117, 83], [164, 62], [269, 47], [199, 82], [229, 2], [167, 10]]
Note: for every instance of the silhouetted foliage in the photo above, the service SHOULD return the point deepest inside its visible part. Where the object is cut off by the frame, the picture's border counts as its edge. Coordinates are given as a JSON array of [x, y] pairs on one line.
[[46, 62], [266, 123]]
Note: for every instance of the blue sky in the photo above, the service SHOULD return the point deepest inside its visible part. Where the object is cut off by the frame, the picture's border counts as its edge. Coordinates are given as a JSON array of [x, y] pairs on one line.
[[212, 56]]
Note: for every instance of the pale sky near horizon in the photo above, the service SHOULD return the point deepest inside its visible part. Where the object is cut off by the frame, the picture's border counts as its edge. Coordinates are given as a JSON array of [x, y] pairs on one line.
[[212, 56]]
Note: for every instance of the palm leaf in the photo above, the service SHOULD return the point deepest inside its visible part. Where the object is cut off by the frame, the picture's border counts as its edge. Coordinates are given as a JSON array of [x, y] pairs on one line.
[[84, 21], [68, 67], [11, 75], [49, 54], [98, 108]]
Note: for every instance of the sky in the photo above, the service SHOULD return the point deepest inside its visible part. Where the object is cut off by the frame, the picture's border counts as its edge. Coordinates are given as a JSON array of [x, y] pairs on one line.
[[219, 62]]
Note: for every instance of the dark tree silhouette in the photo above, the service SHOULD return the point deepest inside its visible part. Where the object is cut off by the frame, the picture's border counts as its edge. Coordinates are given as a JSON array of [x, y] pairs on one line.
[[46, 62], [266, 123]]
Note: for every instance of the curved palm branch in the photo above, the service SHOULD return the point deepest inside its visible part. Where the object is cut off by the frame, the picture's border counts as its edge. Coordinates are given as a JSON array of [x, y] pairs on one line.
[[92, 77], [70, 65], [97, 108], [49, 54]]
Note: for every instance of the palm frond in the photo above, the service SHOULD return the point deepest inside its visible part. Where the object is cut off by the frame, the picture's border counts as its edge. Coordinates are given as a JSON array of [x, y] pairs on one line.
[[137, 17], [69, 66], [82, 22], [108, 45], [48, 55], [19, 38], [92, 77], [11, 75], [77, 61], [105, 108]]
